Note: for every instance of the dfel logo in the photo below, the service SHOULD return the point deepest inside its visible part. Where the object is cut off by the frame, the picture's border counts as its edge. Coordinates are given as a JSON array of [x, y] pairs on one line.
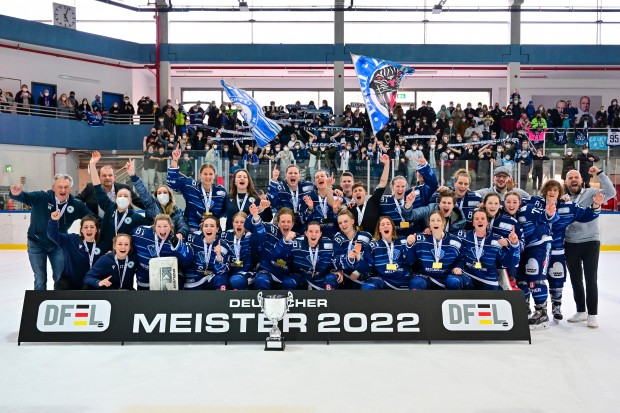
[[75, 316], [477, 315]]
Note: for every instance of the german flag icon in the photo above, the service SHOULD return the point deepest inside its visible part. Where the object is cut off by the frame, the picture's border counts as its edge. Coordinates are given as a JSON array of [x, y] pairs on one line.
[[82, 312]]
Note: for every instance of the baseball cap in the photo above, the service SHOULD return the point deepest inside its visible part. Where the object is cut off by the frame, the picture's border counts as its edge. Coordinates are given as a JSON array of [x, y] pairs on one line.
[[501, 170]]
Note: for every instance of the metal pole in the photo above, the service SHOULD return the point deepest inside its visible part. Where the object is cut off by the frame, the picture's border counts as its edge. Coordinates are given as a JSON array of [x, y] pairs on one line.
[[491, 183], [552, 171], [368, 174], [519, 175], [270, 170], [442, 180]]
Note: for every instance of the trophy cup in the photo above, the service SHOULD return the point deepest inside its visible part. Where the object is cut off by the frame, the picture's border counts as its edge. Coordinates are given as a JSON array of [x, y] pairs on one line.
[[275, 307]]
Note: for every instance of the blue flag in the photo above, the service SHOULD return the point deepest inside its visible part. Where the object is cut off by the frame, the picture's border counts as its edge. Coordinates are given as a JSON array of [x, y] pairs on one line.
[[263, 128], [379, 82]]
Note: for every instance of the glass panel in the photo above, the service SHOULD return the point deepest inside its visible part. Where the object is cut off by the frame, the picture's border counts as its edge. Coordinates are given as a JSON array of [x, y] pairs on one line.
[[610, 32], [384, 33], [468, 33], [189, 97], [439, 98], [550, 33], [286, 97]]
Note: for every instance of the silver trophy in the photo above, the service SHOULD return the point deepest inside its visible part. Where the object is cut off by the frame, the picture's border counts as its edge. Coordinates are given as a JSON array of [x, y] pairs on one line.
[[275, 307]]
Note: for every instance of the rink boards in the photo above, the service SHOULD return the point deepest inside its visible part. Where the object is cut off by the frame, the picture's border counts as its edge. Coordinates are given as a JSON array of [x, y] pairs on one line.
[[235, 316]]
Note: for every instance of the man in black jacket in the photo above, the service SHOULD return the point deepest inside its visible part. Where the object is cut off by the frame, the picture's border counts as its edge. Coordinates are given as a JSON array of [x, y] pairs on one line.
[[107, 177]]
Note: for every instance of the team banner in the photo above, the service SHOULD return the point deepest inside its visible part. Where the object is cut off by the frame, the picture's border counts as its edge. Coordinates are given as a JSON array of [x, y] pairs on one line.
[[379, 82], [263, 128], [217, 316]]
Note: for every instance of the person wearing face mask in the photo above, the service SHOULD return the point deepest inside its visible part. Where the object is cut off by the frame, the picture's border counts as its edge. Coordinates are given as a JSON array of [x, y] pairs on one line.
[[118, 216], [145, 110], [159, 202], [612, 110], [114, 111], [412, 155], [524, 158], [24, 99], [127, 110], [161, 157], [586, 161], [48, 103]]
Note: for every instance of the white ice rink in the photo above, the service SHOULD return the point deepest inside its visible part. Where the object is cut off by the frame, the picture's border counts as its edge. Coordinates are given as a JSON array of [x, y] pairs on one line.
[[568, 368]]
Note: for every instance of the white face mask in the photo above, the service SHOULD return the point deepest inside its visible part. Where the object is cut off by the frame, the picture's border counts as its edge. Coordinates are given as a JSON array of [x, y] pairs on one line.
[[163, 198], [122, 202], [46, 94]]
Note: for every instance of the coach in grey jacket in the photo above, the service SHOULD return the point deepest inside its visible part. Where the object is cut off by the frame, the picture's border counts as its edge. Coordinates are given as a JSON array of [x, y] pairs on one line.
[[582, 246]]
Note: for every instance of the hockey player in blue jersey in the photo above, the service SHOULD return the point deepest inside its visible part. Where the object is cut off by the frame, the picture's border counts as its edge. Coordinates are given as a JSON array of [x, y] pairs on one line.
[[386, 263], [532, 274], [466, 200], [80, 251], [208, 269], [346, 240], [290, 193], [319, 204], [310, 260], [502, 224], [568, 213], [200, 197], [434, 257], [272, 270], [155, 241], [482, 255], [118, 216], [242, 246], [392, 205], [455, 220], [115, 270]]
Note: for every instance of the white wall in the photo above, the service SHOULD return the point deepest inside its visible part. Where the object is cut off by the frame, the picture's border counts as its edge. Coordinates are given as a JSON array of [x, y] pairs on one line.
[[29, 66], [143, 85], [35, 163]]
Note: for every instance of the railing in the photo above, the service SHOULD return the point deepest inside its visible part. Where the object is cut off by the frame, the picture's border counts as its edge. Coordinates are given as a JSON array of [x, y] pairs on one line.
[[62, 112]]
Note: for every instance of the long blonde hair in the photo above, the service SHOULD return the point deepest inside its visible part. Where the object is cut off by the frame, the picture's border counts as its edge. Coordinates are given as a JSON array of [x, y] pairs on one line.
[[167, 209]]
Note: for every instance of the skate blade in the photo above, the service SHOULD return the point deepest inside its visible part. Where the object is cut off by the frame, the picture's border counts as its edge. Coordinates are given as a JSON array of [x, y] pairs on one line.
[[541, 326]]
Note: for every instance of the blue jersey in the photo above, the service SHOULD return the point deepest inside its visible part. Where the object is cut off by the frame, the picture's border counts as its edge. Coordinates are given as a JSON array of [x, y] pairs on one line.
[[268, 261], [535, 224], [422, 254], [322, 213], [281, 196], [342, 247], [393, 208], [197, 202], [502, 226], [76, 253], [242, 252], [493, 257], [297, 254], [568, 213], [204, 264], [376, 263], [143, 244], [106, 266], [467, 204], [115, 222]]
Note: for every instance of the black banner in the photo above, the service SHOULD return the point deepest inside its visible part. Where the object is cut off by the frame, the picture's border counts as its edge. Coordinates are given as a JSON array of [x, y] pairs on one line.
[[222, 316]]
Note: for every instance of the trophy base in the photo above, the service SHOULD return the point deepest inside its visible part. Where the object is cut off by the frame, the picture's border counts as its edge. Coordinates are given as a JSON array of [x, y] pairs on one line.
[[274, 344]]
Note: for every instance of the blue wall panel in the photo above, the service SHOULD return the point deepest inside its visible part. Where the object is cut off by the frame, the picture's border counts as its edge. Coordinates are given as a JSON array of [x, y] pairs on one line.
[[24, 31], [70, 134]]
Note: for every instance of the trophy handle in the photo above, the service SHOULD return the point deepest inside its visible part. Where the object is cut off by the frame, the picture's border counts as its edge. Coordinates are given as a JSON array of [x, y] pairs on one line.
[[259, 298], [289, 301]]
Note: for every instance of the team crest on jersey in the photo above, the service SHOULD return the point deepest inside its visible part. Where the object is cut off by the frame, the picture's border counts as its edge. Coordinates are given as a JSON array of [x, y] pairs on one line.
[[127, 220], [130, 264], [201, 256], [97, 251], [50, 206], [70, 209], [152, 250]]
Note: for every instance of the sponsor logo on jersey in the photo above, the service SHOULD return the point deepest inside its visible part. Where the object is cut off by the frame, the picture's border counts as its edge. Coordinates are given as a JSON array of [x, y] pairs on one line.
[[477, 315], [74, 316]]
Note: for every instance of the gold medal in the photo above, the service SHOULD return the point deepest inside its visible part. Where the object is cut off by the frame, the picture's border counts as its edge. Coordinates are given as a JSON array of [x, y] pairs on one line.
[[238, 263], [478, 265], [358, 228], [281, 263], [437, 265], [392, 267], [404, 224]]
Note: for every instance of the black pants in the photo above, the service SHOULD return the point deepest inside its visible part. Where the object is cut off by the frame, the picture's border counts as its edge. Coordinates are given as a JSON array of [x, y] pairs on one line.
[[537, 176], [582, 259]]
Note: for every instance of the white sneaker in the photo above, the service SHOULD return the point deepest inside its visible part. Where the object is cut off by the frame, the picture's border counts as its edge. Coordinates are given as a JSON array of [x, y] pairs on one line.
[[592, 321], [578, 317]]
